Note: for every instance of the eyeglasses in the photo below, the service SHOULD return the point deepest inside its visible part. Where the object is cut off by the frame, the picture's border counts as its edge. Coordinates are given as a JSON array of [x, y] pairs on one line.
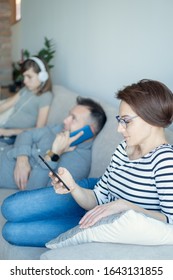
[[125, 121]]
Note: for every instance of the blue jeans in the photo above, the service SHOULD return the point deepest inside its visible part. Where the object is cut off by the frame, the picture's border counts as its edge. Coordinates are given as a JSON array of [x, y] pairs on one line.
[[35, 217]]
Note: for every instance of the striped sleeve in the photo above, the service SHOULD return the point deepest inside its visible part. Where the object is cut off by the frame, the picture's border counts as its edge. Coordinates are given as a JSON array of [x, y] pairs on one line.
[[163, 171]]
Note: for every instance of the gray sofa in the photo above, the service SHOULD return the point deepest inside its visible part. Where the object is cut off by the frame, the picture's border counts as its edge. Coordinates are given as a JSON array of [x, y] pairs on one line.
[[103, 148]]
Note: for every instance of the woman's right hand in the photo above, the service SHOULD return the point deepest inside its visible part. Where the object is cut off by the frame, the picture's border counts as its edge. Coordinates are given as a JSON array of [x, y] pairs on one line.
[[22, 171], [65, 175], [9, 102]]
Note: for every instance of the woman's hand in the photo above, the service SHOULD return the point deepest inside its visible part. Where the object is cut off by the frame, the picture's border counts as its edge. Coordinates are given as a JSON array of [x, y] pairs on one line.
[[101, 211], [9, 102], [22, 171], [65, 175]]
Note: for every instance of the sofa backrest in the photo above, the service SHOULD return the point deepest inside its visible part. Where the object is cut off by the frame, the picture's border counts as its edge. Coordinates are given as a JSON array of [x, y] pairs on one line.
[[105, 143], [63, 101]]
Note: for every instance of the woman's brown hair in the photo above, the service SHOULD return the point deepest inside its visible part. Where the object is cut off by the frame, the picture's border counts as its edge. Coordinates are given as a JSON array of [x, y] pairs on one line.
[[151, 100]]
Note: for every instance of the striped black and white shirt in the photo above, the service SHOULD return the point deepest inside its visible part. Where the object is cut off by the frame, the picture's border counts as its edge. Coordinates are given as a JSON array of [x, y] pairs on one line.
[[146, 182]]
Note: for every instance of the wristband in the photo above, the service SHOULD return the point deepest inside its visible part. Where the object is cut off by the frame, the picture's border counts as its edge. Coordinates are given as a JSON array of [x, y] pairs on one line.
[[53, 156]]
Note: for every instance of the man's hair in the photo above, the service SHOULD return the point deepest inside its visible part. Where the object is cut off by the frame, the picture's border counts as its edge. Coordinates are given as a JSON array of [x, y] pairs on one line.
[[151, 100], [98, 116]]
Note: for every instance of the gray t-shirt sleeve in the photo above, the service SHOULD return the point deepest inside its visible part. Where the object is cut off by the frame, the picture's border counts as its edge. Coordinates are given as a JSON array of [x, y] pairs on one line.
[[45, 99]]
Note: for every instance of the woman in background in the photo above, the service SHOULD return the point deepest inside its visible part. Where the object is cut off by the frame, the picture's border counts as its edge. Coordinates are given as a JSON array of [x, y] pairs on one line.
[[28, 108]]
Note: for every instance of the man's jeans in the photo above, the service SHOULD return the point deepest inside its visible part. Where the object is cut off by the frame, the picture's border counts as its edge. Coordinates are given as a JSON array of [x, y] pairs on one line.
[[35, 217]]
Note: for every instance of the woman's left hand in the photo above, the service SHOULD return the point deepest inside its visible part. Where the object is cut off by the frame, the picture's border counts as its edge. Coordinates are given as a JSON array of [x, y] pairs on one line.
[[101, 211]]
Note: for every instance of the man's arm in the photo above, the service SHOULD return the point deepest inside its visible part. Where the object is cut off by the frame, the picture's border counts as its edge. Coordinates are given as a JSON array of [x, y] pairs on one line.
[[22, 152], [22, 171], [24, 141], [61, 145], [78, 162]]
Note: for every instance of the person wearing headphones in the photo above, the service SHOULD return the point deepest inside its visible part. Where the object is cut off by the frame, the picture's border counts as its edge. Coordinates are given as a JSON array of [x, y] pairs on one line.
[[28, 108]]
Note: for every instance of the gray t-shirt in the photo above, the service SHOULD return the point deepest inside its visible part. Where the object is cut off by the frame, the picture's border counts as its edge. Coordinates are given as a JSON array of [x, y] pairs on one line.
[[26, 110]]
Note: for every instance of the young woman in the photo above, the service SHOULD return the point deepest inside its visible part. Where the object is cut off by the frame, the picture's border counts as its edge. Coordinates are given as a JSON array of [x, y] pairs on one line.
[[30, 106], [140, 174]]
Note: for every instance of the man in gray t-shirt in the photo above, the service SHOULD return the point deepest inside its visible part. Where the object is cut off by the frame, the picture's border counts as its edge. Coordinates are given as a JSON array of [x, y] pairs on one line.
[[20, 166]]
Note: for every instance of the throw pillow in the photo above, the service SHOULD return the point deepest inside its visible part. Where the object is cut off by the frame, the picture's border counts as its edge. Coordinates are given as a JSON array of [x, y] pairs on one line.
[[129, 227]]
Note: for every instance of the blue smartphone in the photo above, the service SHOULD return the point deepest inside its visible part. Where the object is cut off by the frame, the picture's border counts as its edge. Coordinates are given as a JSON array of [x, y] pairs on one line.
[[85, 136]]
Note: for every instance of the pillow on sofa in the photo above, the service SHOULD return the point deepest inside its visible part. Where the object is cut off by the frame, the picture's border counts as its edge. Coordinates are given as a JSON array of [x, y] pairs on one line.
[[129, 227]]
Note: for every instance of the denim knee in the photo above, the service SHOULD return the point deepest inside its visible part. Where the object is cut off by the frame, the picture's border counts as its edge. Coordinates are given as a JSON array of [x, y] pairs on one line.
[[4, 209], [7, 232], [7, 209]]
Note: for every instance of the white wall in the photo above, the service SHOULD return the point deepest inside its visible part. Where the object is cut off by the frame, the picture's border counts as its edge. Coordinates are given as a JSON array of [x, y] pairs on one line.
[[102, 45]]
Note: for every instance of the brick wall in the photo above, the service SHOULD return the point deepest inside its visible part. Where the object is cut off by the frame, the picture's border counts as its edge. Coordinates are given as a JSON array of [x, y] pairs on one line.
[[5, 43]]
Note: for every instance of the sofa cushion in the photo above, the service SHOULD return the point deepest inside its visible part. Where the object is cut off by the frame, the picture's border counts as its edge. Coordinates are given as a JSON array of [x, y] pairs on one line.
[[110, 251], [130, 227]]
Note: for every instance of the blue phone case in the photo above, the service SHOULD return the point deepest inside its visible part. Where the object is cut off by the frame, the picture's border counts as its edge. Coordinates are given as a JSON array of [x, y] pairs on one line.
[[85, 136]]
